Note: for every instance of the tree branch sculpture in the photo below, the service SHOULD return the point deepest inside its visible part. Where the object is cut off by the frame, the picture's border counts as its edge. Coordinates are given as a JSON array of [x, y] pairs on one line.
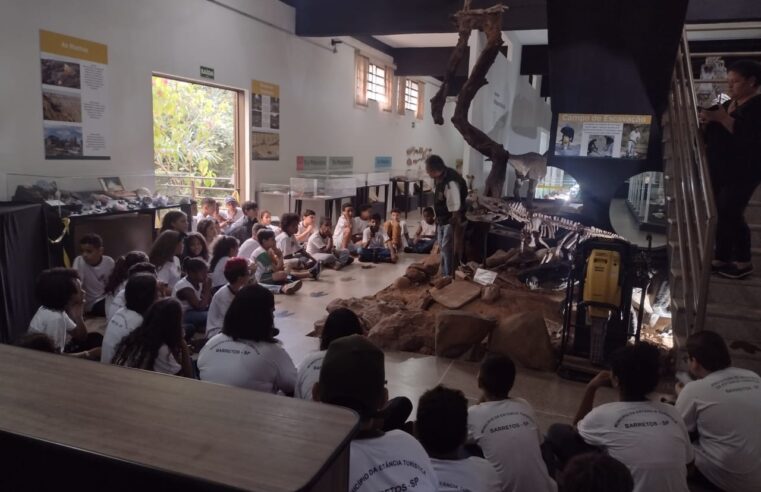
[[490, 22]]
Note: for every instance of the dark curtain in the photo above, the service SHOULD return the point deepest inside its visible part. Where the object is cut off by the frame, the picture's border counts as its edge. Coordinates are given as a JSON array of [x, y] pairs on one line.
[[23, 255]]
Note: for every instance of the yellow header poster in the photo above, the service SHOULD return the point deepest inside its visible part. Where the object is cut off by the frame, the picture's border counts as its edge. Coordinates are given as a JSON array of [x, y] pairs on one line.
[[74, 97], [619, 136], [265, 121]]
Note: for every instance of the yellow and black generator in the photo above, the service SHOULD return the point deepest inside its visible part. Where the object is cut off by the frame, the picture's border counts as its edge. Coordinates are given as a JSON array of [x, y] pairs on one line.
[[597, 312]]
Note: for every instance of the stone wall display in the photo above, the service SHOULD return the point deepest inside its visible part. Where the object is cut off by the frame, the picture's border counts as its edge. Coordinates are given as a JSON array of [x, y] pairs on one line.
[[458, 331]]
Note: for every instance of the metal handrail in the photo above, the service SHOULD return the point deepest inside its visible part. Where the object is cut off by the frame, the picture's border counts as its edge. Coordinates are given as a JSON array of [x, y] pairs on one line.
[[692, 208], [196, 188]]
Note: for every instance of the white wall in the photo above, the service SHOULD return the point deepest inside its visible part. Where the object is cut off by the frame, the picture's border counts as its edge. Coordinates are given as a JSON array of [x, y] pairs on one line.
[[176, 37], [518, 125]]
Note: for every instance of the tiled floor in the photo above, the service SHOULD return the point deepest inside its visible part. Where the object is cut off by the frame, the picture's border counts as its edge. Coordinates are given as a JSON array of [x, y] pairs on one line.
[[408, 374]]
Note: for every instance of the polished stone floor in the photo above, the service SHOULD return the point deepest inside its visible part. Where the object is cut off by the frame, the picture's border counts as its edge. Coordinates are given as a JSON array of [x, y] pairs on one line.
[[408, 374]]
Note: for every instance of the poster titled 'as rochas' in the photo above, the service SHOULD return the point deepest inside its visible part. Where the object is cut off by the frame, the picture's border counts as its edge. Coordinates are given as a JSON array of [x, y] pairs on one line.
[[618, 136], [74, 97]]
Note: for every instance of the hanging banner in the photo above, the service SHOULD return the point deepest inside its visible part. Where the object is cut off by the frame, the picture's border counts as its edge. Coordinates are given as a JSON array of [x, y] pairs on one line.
[[74, 97], [617, 136]]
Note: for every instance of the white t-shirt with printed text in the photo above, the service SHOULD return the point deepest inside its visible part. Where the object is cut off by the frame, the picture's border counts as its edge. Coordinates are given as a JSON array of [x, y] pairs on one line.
[[508, 433], [94, 278], [260, 366], [650, 438], [121, 324], [395, 461], [724, 408], [467, 475], [55, 324]]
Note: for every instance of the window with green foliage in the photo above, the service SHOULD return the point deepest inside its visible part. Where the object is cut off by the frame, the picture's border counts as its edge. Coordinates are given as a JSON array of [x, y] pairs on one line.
[[194, 129]]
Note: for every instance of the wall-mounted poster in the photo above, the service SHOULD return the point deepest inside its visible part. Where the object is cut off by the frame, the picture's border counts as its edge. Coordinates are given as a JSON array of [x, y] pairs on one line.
[[618, 136], [74, 97], [265, 105], [312, 164], [383, 163], [340, 165], [265, 146]]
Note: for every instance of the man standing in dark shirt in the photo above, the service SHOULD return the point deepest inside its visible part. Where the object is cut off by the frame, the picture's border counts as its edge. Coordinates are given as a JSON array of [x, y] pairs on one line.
[[450, 192]]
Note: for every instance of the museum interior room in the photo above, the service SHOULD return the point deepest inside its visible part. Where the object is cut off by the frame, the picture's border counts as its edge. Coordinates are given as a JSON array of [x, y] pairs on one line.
[[289, 238]]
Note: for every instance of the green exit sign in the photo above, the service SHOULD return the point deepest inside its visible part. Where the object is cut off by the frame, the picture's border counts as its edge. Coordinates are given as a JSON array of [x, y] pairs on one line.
[[207, 72]]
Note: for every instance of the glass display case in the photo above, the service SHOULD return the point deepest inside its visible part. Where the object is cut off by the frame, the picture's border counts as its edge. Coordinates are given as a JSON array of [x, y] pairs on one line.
[[647, 200], [378, 179], [274, 189], [323, 187]]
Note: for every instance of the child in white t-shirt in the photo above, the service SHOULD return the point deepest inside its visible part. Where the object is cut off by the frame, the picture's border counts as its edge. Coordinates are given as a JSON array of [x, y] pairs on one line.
[[118, 279], [224, 248], [376, 245], [343, 237], [648, 437], [164, 256], [232, 214], [140, 293], [353, 376], [246, 354], [360, 222], [425, 235], [60, 294], [157, 344], [306, 226], [341, 322], [294, 254], [238, 275], [265, 219], [248, 247], [442, 428], [722, 407], [209, 210], [507, 431], [194, 293], [270, 268], [320, 247], [120, 300], [94, 269]]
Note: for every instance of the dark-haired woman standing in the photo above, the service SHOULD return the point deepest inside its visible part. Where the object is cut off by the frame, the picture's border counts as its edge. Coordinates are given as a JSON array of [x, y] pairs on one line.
[[733, 144]]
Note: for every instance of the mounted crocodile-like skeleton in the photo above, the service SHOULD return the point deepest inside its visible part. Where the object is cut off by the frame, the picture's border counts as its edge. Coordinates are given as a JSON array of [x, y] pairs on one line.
[[537, 227]]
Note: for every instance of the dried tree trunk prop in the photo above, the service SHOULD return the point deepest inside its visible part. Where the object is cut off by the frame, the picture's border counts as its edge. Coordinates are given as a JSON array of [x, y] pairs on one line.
[[490, 22]]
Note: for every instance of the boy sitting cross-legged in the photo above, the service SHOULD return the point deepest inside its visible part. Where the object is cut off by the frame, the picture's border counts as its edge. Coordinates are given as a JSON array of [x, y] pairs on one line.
[[320, 246], [270, 269], [425, 235], [376, 245]]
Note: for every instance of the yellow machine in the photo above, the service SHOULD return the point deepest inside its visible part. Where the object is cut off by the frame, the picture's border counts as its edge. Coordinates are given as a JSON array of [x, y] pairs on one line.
[[602, 282]]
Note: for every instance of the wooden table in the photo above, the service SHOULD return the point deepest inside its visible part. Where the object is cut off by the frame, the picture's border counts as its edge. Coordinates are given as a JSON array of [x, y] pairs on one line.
[[70, 424]]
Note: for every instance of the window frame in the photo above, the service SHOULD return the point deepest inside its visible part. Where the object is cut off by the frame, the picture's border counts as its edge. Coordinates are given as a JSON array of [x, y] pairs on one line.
[[411, 104], [376, 83]]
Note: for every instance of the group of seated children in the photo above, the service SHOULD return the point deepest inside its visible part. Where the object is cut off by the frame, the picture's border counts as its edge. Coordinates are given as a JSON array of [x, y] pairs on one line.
[[710, 436]]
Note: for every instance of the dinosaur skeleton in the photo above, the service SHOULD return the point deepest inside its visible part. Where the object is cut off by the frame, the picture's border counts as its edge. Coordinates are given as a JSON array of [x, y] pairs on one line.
[[537, 227]]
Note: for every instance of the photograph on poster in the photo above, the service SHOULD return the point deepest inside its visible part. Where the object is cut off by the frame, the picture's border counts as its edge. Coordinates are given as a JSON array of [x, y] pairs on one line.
[[60, 106], [63, 141], [265, 146], [256, 102], [275, 104], [256, 119], [275, 121], [634, 142], [566, 143], [600, 145], [60, 73]]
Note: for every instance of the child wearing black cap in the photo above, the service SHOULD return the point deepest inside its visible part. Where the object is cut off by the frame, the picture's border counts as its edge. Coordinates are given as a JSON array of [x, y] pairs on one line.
[[353, 376]]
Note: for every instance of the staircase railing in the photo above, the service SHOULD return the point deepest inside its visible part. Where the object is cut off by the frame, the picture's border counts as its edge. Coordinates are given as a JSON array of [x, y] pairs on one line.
[[691, 207]]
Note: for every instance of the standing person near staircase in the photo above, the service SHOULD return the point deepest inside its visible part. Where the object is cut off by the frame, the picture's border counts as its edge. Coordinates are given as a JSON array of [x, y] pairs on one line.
[[450, 191], [733, 146]]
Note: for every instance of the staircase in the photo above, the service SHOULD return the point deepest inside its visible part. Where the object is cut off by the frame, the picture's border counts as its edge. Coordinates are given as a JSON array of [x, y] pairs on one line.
[[701, 301]]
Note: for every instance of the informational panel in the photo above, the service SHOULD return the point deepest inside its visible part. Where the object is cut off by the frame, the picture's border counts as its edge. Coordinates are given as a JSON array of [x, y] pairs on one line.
[[383, 163], [74, 97], [340, 165], [312, 164], [603, 135], [265, 121]]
